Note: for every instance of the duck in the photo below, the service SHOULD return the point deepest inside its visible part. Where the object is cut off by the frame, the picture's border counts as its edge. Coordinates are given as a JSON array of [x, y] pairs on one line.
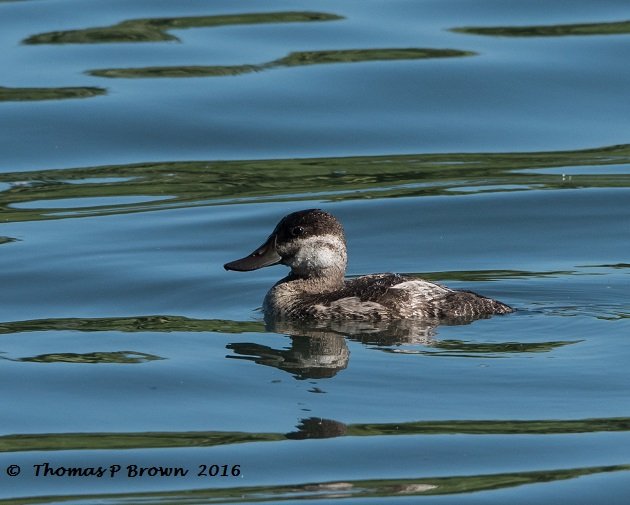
[[312, 243]]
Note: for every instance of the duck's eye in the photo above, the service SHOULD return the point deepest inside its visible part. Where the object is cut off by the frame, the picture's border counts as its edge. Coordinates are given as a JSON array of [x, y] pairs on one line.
[[297, 231]]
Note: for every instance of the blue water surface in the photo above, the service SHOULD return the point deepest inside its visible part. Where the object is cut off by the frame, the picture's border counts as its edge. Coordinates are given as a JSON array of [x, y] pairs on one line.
[[484, 145]]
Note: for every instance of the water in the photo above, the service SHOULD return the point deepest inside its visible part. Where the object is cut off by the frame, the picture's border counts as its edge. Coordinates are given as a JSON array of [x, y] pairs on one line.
[[479, 144]]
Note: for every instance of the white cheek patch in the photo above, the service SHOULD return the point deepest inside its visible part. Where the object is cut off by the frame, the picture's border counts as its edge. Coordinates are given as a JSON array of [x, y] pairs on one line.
[[319, 253]]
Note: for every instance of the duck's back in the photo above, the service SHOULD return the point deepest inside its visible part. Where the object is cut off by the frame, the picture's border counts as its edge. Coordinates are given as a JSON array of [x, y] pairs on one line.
[[432, 300]]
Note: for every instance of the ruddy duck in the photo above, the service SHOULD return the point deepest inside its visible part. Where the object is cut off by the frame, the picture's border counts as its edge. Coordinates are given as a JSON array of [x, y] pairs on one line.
[[313, 244]]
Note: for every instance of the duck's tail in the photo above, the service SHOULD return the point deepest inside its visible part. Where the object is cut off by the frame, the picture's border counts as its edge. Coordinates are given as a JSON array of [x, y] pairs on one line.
[[466, 304]]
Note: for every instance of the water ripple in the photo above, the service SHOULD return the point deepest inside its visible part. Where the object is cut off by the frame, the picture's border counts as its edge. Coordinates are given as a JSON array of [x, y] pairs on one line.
[[333, 179]]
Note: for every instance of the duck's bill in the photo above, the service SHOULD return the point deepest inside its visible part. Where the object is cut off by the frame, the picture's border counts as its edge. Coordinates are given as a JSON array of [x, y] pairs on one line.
[[264, 256]]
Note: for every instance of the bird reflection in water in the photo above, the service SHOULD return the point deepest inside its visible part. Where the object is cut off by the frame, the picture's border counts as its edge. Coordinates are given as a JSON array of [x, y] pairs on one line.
[[319, 350]]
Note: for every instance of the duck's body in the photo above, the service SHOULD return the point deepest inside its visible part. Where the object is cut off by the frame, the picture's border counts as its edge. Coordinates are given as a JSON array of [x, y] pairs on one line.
[[313, 244], [377, 297]]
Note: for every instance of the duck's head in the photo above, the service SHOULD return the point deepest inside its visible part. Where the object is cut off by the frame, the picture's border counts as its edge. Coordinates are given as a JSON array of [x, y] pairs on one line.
[[311, 242]]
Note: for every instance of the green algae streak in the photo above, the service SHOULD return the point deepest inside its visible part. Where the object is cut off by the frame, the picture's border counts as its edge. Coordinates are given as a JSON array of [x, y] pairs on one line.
[[156, 29]]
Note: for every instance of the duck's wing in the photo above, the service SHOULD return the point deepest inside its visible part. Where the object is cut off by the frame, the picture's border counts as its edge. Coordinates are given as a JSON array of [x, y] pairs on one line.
[[417, 298], [447, 304], [382, 296], [406, 297]]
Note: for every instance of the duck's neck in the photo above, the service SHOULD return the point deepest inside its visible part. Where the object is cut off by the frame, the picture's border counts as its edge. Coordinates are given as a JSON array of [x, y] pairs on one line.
[[328, 280]]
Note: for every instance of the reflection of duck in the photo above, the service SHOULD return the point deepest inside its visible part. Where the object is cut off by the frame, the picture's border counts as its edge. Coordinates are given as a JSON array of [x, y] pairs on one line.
[[318, 349], [313, 244], [388, 333], [318, 356], [317, 427]]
